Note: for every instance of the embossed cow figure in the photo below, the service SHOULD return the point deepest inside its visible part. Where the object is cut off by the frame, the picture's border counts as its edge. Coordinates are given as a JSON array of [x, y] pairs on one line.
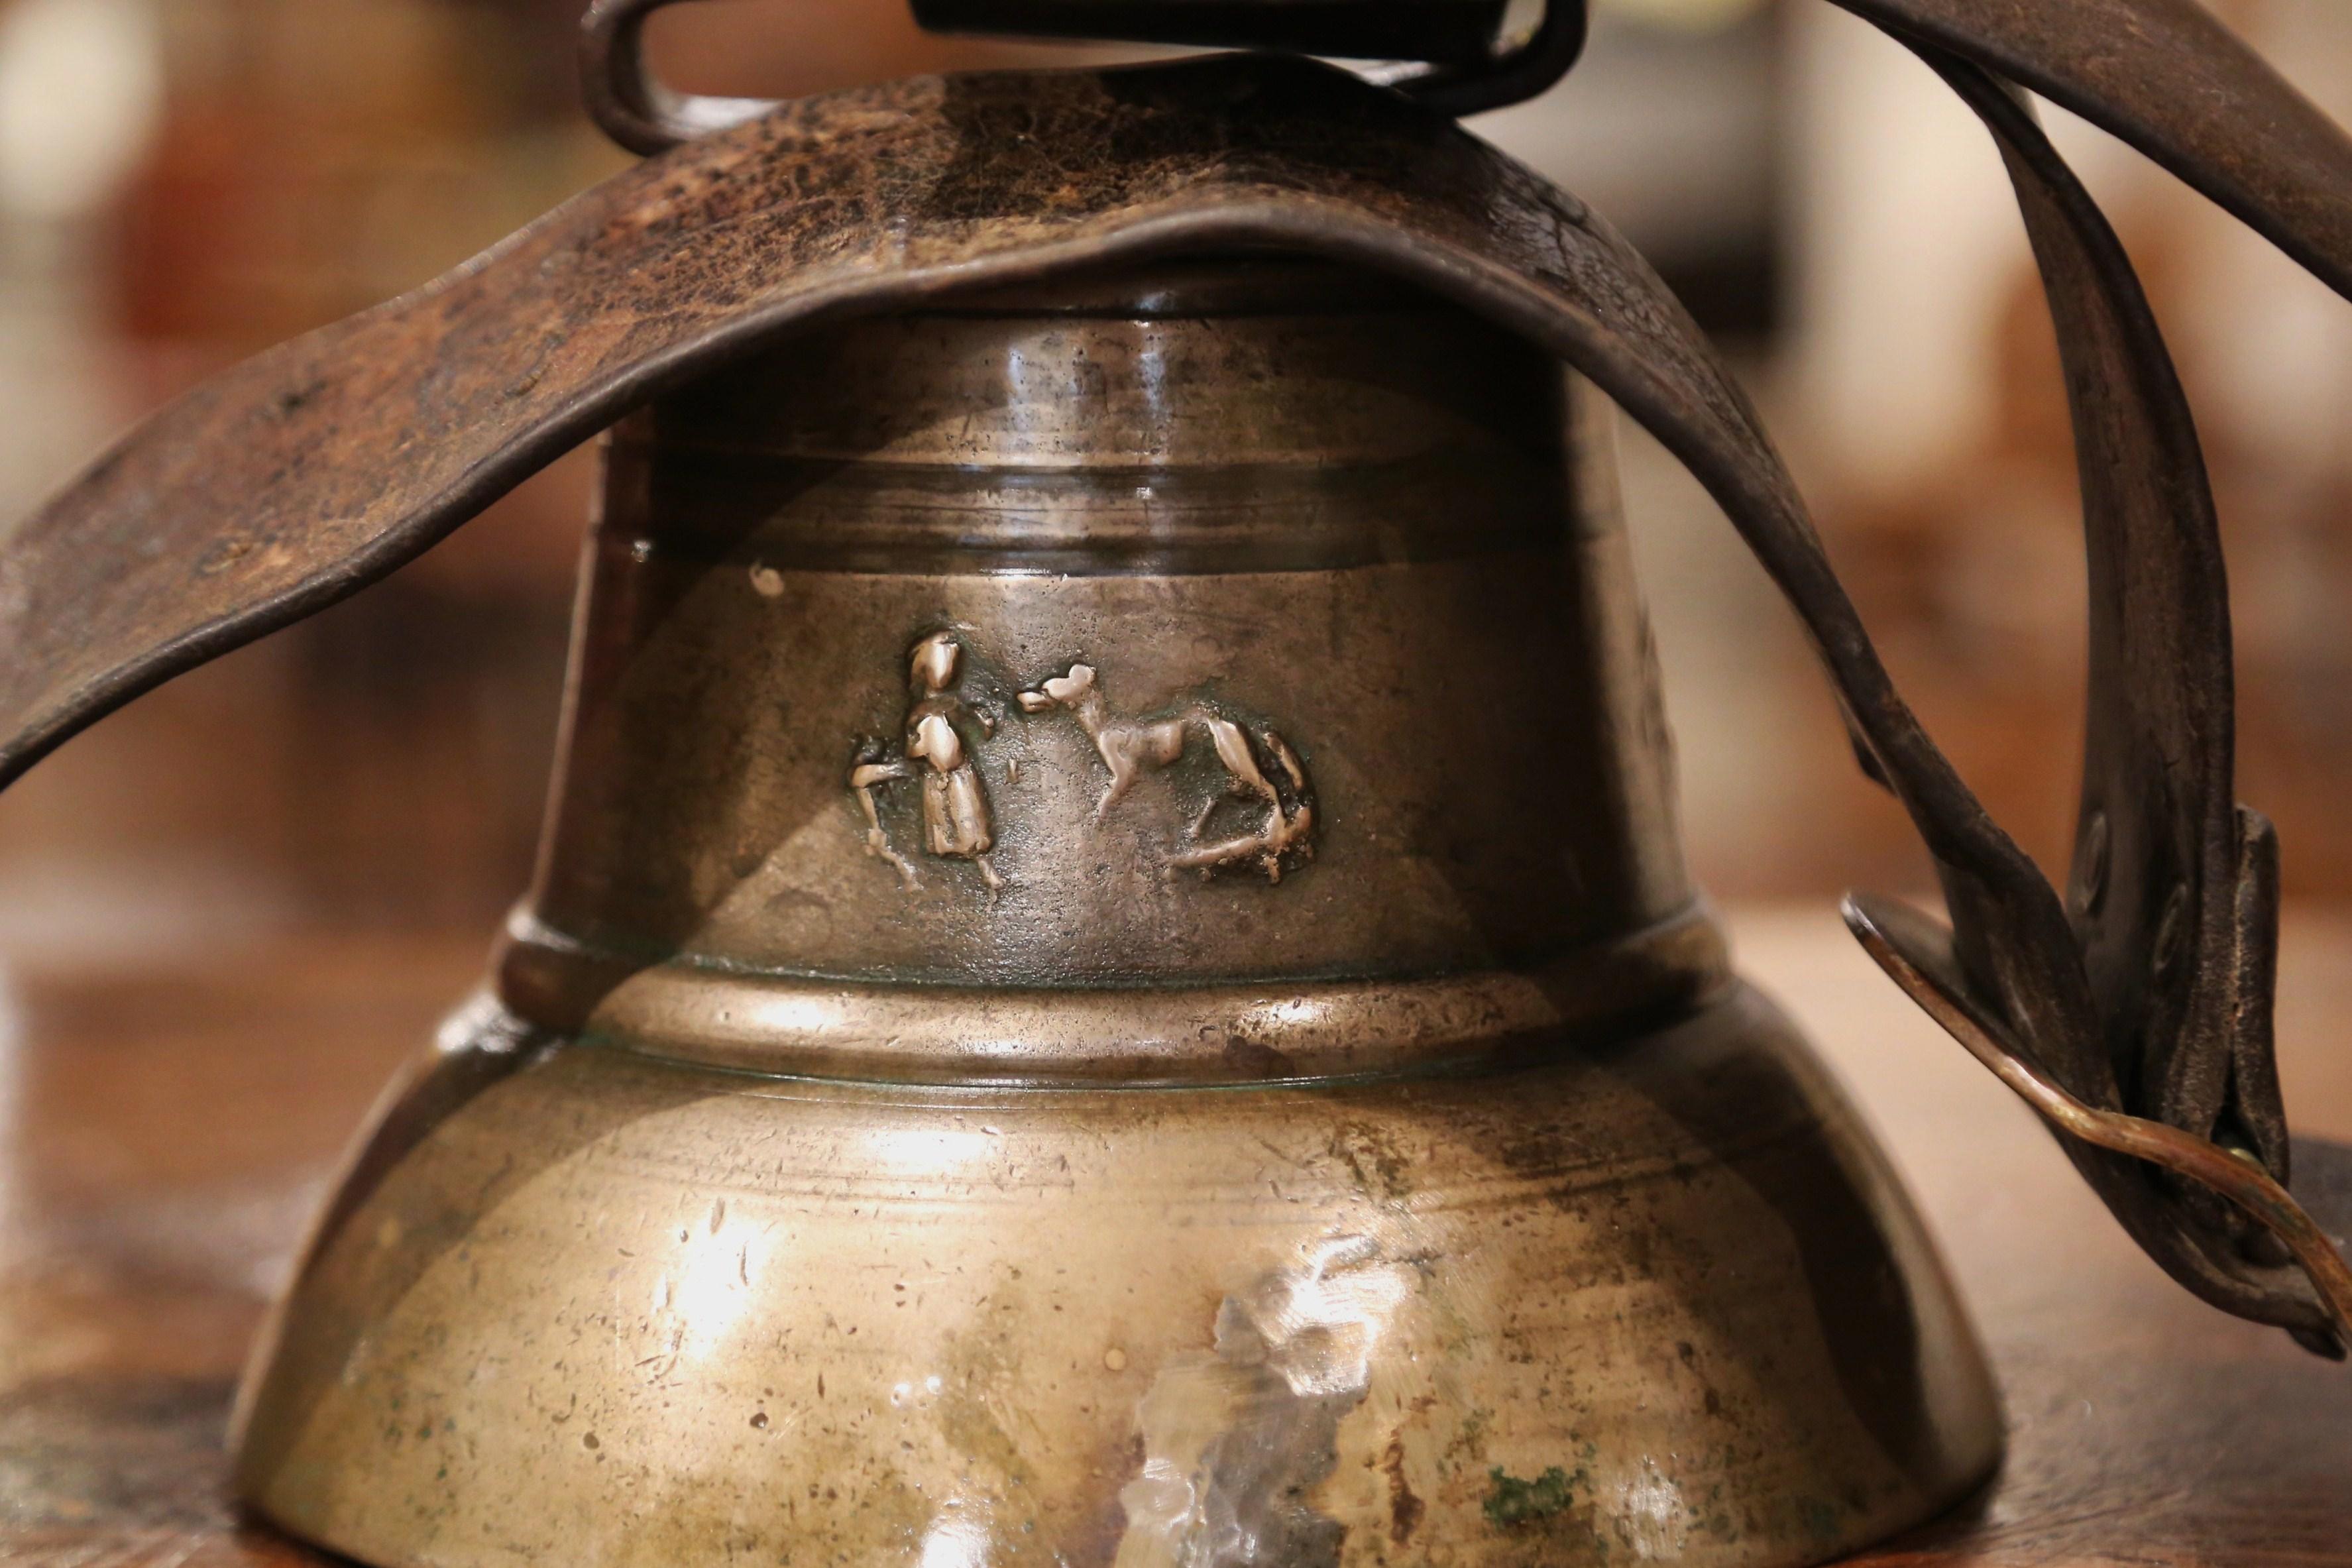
[[1131, 747]]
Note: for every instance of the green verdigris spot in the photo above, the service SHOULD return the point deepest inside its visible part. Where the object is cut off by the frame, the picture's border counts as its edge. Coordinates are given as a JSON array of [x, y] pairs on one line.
[[1512, 1501]]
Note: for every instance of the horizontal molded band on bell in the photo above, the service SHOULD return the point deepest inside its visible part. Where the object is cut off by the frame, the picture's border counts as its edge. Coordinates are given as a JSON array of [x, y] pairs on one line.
[[1035, 389], [1255, 1032], [929, 518], [1219, 286]]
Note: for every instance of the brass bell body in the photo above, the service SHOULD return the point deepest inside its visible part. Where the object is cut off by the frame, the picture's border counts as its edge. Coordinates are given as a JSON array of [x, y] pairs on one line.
[[1112, 983]]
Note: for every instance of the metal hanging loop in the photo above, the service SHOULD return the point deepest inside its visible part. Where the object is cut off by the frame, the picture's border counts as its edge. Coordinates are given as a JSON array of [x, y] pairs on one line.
[[636, 110], [628, 102], [1525, 69]]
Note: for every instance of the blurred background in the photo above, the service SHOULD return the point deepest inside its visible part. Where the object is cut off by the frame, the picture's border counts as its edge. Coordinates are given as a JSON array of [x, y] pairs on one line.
[[182, 182]]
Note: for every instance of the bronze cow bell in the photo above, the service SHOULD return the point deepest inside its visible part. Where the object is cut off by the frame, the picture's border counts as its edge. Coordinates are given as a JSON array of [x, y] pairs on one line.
[[1111, 981]]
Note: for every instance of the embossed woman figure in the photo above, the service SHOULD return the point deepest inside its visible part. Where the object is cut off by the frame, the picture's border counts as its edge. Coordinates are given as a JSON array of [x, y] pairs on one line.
[[956, 820]]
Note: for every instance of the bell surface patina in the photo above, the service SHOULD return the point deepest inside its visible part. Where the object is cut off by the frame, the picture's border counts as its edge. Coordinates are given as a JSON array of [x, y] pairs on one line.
[[1111, 982]]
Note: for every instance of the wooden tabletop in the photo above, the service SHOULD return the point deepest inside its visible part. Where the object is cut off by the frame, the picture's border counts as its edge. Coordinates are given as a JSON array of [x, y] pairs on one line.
[[165, 1129]]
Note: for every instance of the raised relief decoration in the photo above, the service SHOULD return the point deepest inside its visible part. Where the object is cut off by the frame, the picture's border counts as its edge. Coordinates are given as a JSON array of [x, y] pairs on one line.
[[942, 730], [956, 820], [1131, 747]]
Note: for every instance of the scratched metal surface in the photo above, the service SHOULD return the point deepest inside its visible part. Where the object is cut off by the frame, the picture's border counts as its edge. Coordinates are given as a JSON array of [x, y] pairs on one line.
[[313, 468], [173, 1122]]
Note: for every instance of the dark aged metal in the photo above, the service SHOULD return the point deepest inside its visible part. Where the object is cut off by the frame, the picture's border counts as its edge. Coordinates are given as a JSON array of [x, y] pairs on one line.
[[1463, 73], [1111, 982], [1095, 605]]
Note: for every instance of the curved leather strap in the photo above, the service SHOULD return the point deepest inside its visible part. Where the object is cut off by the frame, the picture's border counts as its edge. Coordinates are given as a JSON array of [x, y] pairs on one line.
[[2174, 897], [322, 465], [2168, 77]]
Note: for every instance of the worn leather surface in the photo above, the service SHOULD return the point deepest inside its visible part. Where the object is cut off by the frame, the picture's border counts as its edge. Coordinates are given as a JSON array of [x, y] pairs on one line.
[[324, 464], [2169, 79], [2161, 1002]]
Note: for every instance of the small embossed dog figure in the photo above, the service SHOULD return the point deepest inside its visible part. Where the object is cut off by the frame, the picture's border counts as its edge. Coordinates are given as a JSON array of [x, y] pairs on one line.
[[1130, 748]]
